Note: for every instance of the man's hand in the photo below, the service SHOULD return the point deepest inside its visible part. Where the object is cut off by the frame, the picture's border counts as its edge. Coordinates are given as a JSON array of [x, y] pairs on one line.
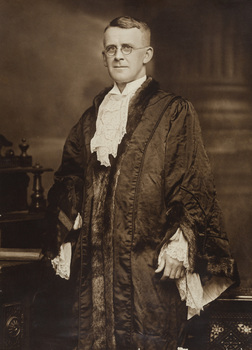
[[173, 268]]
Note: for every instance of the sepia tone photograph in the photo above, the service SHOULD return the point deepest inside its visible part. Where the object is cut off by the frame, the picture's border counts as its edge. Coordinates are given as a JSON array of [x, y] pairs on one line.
[[126, 175]]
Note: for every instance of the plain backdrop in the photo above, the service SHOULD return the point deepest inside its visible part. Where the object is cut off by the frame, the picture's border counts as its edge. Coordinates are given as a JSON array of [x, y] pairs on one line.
[[51, 68]]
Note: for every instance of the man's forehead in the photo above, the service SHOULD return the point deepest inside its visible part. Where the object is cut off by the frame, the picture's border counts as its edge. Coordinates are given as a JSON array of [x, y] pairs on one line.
[[115, 35]]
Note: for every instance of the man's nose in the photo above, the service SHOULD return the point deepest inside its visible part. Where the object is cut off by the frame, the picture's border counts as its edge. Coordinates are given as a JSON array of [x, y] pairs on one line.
[[119, 55]]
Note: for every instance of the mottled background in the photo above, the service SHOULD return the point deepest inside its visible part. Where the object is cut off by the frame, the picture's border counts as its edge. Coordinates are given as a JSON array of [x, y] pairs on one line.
[[51, 68]]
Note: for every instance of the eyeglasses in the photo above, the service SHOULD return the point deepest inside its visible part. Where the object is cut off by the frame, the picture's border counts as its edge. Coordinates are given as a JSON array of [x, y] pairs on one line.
[[111, 50]]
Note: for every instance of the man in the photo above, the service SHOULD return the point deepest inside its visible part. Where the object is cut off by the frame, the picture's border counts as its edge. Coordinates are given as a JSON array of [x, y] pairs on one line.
[[134, 210]]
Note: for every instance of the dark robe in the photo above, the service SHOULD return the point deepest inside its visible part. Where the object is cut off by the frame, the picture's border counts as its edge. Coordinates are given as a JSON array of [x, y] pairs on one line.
[[159, 181]]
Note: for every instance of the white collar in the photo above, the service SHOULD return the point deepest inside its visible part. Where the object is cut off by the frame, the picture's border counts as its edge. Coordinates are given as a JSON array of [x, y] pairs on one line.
[[130, 87]]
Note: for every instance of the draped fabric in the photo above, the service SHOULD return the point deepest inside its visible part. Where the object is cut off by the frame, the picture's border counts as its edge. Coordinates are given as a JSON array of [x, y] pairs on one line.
[[160, 180]]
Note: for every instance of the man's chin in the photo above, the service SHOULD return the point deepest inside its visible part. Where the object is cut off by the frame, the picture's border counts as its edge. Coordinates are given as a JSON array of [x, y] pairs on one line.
[[120, 80], [120, 77]]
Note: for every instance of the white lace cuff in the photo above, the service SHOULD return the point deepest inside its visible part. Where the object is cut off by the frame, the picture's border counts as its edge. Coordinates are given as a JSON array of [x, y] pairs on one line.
[[61, 263], [177, 248], [189, 286]]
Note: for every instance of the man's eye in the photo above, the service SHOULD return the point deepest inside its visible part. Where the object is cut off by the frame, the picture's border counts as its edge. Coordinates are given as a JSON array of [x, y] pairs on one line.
[[127, 47], [111, 48]]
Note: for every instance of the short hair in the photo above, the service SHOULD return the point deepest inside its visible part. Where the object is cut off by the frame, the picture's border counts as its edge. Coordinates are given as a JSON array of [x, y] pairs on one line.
[[127, 22]]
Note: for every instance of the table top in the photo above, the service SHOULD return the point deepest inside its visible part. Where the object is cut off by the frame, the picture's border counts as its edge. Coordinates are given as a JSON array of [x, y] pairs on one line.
[[18, 216], [12, 257], [32, 169]]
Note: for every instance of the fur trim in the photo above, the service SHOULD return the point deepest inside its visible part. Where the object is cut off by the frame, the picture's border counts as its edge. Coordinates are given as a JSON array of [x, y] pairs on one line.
[[65, 201], [218, 266], [99, 322], [177, 216], [104, 184], [221, 266]]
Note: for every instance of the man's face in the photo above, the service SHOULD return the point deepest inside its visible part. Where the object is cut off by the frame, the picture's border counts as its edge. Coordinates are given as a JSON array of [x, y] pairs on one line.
[[126, 68]]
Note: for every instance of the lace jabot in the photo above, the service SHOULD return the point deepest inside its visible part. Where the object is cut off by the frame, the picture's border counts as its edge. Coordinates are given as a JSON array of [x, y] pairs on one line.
[[112, 120]]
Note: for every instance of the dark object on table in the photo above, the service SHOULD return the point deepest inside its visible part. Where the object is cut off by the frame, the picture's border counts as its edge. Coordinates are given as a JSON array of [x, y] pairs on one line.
[[25, 160], [8, 158], [4, 143]]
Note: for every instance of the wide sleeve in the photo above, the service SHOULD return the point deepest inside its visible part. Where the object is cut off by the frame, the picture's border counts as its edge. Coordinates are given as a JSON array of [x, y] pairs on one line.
[[65, 196], [190, 197]]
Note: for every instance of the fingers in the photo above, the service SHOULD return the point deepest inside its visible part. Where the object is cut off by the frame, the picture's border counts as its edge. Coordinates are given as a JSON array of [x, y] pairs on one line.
[[173, 268], [180, 272], [160, 266], [168, 271], [176, 274], [183, 272]]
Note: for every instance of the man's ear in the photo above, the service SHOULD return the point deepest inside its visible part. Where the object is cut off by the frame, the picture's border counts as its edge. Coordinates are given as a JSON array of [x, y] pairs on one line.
[[104, 59], [148, 55]]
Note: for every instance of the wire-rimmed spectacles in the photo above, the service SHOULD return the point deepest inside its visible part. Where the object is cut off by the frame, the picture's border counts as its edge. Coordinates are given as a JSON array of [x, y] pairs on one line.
[[126, 49]]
